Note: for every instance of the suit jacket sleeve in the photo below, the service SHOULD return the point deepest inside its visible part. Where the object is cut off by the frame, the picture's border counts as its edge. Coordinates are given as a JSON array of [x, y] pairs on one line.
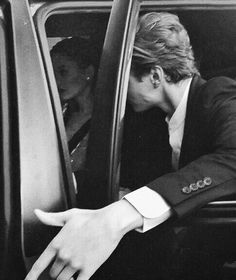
[[217, 166]]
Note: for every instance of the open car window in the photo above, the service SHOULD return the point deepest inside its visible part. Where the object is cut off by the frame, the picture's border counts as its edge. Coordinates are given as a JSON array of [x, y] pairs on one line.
[[71, 36], [75, 43]]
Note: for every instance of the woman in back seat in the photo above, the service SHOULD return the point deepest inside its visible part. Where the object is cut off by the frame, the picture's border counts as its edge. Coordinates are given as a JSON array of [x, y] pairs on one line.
[[75, 62]]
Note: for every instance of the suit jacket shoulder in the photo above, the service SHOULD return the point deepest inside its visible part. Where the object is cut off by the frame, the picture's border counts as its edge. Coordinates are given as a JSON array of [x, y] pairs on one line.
[[215, 91], [208, 153]]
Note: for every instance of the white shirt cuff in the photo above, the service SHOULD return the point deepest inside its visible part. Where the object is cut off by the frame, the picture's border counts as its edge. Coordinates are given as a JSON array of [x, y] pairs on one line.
[[150, 205]]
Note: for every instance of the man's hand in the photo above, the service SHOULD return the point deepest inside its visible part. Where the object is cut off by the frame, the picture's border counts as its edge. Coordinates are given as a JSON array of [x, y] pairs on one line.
[[85, 242]]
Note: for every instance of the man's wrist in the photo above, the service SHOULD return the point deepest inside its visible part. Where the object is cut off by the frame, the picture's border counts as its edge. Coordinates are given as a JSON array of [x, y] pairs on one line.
[[126, 216]]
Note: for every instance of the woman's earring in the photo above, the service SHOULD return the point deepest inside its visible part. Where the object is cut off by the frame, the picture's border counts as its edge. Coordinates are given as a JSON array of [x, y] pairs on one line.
[[156, 84], [88, 78]]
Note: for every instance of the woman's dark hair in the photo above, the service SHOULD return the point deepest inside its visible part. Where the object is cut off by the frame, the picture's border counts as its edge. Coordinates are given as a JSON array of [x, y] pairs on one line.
[[162, 40], [84, 51]]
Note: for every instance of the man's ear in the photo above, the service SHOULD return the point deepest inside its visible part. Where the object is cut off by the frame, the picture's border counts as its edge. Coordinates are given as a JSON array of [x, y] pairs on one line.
[[89, 72], [156, 75]]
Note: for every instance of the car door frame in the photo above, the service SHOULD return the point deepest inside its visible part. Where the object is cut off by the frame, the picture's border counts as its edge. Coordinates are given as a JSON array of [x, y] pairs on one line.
[[41, 179]]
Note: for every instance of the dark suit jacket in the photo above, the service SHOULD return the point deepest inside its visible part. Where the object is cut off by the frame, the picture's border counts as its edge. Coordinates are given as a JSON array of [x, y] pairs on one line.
[[208, 148]]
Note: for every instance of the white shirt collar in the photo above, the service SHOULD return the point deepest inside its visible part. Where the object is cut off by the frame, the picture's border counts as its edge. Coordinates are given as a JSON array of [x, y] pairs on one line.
[[179, 115], [176, 127]]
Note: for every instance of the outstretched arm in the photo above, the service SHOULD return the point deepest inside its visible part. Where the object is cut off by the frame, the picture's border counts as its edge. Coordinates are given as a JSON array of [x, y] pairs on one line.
[[87, 239]]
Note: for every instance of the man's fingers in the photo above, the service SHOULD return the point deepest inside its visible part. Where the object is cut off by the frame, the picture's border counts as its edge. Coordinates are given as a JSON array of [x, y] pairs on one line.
[[53, 219], [83, 276], [67, 273], [42, 263], [57, 268]]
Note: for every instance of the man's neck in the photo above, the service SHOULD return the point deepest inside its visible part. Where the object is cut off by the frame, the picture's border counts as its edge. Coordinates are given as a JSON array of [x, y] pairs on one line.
[[174, 95]]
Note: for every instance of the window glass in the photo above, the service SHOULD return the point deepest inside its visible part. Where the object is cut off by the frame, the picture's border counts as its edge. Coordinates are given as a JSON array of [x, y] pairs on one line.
[[75, 41]]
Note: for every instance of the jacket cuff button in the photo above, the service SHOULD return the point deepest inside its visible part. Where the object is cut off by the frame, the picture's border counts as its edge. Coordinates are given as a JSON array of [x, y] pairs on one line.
[[193, 187], [200, 184], [186, 190], [207, 181]]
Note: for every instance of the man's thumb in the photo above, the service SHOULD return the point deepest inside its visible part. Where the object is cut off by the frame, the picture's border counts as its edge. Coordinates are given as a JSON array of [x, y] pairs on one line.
[[52, 219]]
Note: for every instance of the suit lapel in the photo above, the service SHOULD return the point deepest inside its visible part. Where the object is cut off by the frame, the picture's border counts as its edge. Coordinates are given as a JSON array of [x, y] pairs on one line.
[[192, 107]]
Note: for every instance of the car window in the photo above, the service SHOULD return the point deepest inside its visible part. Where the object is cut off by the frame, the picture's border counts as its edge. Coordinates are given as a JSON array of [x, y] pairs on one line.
[[75, 43]]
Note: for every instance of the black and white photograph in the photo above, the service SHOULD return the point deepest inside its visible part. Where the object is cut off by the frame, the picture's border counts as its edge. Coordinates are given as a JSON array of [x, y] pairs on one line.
[[118, 139]]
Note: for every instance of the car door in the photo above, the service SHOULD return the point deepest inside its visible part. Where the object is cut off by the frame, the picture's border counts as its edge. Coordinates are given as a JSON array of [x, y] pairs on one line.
[[33, 170], [42, 167]]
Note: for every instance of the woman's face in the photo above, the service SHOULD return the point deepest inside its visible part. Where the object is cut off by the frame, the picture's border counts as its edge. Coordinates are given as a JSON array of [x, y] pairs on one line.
[[71, 80]]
